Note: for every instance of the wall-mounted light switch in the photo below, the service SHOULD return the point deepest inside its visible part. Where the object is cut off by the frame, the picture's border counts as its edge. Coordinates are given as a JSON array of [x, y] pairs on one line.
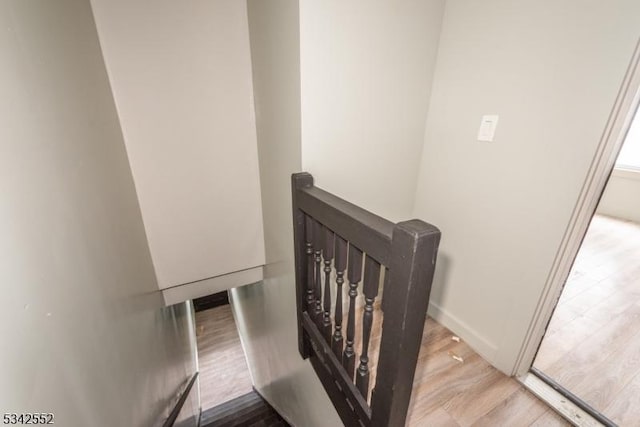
[[487, 128]]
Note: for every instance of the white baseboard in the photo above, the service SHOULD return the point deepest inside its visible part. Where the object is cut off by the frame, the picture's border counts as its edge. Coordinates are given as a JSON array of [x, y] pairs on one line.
[[477, 342]]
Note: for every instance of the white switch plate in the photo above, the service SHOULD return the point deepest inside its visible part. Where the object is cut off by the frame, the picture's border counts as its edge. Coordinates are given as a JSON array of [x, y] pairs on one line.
[[488, 128]]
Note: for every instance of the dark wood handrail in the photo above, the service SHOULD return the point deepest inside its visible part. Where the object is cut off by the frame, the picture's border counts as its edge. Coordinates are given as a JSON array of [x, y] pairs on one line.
[[366, 230], [173, 416]]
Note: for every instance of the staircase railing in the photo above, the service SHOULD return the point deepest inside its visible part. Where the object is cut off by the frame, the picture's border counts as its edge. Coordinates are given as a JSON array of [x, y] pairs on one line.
[[332, 238]]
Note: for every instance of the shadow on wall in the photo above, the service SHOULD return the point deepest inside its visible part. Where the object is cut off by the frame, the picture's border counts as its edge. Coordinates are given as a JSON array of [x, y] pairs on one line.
[[265, 314]]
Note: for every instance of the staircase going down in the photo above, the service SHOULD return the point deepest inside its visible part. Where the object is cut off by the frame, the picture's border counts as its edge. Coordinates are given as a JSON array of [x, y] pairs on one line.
[[249, 410]]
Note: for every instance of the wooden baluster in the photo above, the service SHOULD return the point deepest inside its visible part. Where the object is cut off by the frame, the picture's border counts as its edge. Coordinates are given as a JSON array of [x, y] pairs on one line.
[[308, 239], [340, 264], [327, 253], [317, 246], [370, 288], [354, 275]]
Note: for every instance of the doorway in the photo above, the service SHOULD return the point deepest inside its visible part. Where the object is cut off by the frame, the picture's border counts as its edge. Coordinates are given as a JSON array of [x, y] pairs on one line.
[[606, 164], [591, 348], [223, 368]]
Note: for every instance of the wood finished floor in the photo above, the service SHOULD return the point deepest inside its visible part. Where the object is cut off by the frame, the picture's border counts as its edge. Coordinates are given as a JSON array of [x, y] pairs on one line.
[[592, 345], [223, 369], [447, 392], [471, 392]]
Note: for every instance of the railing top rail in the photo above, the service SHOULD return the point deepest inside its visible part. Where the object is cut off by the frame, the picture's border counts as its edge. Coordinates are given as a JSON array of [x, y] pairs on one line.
[[369, 232]]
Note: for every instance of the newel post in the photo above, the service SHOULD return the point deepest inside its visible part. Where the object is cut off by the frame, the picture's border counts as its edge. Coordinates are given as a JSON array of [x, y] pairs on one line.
[[414, 248], [300, 238]]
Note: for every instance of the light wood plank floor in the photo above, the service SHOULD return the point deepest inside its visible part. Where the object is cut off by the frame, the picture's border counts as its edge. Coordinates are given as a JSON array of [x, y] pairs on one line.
[[592, 345], [447, 392], [223, 369]]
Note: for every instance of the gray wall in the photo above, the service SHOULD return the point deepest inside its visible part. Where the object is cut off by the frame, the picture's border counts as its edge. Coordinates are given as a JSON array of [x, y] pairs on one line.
[[366, 73], [265, 313], [181, 78], [551, 70], [83, 334], [621, 197], [382, 74]]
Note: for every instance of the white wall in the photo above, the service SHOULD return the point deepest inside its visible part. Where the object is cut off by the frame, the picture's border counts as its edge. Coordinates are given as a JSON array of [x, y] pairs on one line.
[[266, 313], [84, 334], [551, 70], [621, 197], [366, 72], [364, 80], [181, 77]]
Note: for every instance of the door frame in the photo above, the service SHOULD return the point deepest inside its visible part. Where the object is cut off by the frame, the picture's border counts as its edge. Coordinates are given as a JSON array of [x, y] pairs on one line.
[[602, 165]]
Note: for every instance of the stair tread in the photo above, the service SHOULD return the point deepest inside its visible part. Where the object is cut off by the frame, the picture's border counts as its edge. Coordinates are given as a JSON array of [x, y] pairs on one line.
[[229, 412], [249, 410], [247, 417], [275, 421], [238, 404]]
